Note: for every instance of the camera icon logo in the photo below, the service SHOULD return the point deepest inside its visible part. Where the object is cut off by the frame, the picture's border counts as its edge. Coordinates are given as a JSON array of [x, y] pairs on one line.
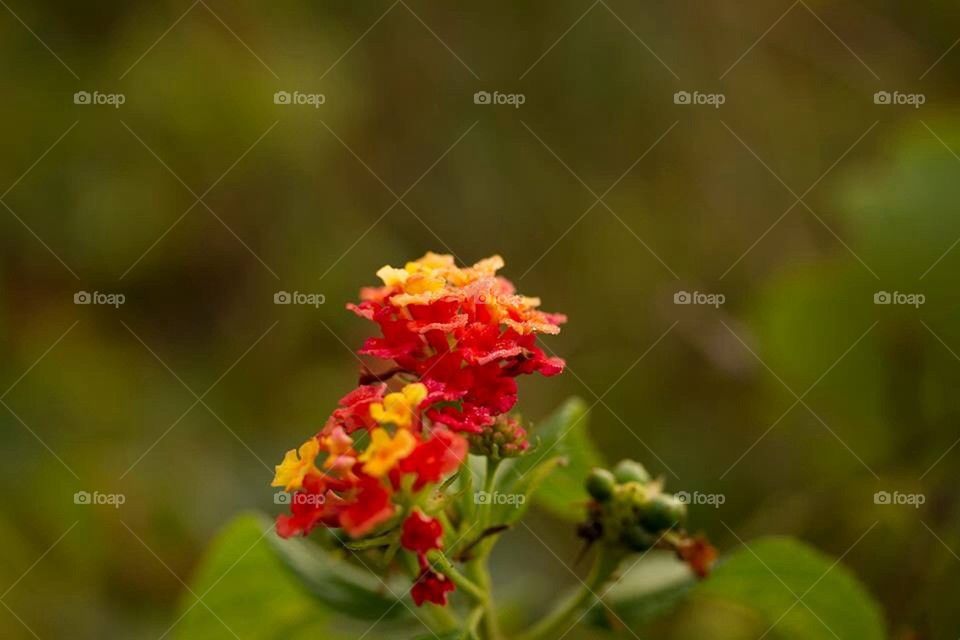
[[81, 97], [882, 497], [282, 297], [683, 497], [483, 497], [681, 97], [281, 497], [81, 497], [881, 97], [281, 97], [682, 297], [82, 297], [882, 297], [482, 97]]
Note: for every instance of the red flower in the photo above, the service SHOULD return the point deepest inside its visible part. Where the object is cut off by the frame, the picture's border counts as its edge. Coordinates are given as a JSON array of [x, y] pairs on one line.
[[434, 458], [370, 506], [315, 504], [356, 504], [354, 408], [699, 555], [468, 418], [421, 533], [437, 319], [465, 328], [464, 334], [431, 586]]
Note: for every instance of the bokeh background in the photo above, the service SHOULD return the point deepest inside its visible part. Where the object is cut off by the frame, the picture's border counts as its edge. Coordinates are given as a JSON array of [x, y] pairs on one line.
[[199, 198]]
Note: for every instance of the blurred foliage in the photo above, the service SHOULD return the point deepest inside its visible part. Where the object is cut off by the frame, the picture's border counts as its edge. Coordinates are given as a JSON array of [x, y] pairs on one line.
[[103, 411], [773, 586]]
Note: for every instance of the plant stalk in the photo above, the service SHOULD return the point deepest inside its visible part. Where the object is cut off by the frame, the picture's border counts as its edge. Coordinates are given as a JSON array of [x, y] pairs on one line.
[[478, 572], [465, 584], [569, 612], [477, 567], [470, 626]]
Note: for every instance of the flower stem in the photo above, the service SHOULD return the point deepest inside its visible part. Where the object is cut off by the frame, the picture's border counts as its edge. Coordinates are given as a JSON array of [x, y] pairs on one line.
[[489, 485], [477, 568], [470, 625], [370, 543], [568, 613], [489, 482], [441, 619], [465, 584]]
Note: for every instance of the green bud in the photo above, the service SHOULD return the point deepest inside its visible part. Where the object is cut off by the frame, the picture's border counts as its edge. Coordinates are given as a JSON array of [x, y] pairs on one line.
[[636, 538], [630, 471], [662, 511], [506, 438], [600, 484]]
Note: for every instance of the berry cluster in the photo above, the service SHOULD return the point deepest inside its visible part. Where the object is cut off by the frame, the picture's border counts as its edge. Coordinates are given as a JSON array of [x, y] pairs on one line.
[[630, 509]]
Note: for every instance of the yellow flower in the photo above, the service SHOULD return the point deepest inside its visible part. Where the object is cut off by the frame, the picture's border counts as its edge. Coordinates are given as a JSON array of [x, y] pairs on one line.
[[397, 407], [431, 262], [392, 276], [291, 472], [420, 281], [384, 452]]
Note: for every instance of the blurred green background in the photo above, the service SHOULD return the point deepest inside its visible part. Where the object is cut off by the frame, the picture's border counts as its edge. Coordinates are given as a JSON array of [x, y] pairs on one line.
[[199, 198]]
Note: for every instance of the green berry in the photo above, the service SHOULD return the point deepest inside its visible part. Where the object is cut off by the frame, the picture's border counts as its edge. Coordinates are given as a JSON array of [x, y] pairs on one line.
[[662, 511], [630, 471], [636, 538], [600, 484]]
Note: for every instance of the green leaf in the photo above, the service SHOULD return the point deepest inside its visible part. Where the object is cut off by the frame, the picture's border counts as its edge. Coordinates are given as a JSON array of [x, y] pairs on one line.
[[345, 588], [648, 588], [770, 574], [526, 486], [758, 585], [248, 589], [563, 434]]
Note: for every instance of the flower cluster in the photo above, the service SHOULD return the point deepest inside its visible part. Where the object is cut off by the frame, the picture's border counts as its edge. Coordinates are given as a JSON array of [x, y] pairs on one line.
[[464, 332], [351, 488], [458, 338]]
